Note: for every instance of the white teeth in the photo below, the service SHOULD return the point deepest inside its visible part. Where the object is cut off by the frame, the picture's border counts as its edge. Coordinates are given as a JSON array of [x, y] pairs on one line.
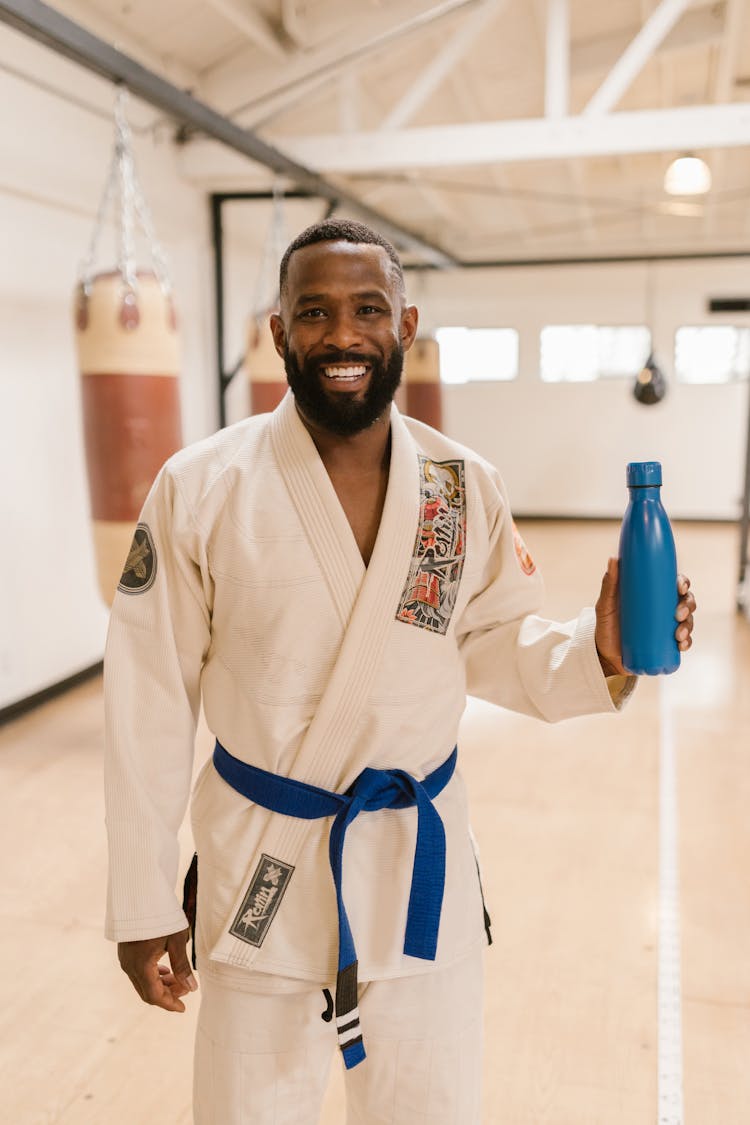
[[344, 372]]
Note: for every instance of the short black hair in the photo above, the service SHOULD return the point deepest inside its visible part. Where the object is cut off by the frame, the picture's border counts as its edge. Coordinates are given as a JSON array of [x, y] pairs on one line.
[[339, 230]]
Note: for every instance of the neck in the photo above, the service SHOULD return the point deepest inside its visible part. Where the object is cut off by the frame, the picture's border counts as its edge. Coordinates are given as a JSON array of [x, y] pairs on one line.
[[367, 451]]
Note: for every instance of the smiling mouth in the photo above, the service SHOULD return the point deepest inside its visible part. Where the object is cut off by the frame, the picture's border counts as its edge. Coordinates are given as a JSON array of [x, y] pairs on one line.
[[348, 374]]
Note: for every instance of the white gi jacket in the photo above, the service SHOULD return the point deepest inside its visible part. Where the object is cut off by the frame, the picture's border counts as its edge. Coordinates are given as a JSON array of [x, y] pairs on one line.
[[245, 587]]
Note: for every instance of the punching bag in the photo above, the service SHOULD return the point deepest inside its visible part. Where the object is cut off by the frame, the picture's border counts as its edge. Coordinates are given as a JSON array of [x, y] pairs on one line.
[[128, 357], [422, 381], [265, 368]]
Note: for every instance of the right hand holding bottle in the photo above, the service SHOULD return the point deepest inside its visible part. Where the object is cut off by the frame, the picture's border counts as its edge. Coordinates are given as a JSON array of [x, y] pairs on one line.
[[608, 643]]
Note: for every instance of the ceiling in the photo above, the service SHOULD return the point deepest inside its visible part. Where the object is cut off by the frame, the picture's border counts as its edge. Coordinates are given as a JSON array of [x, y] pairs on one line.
[[496, 130]]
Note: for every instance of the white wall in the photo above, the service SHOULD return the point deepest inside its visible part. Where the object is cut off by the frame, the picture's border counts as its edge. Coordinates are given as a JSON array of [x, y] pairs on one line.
[[562, 448], [53, 162]]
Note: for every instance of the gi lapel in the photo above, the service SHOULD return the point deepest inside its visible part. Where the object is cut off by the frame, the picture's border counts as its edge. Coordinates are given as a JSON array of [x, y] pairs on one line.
[[366, 602]]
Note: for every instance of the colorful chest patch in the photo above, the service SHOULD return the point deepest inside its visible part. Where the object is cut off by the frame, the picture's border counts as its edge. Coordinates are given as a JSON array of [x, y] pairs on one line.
[[140, 566], [431, 590], [528, 566]]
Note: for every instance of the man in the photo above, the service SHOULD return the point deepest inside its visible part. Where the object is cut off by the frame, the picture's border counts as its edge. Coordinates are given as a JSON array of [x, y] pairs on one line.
[[329, 580]]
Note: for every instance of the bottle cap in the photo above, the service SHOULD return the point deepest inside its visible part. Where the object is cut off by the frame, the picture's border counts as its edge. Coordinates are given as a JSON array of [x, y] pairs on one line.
[[644, 474]]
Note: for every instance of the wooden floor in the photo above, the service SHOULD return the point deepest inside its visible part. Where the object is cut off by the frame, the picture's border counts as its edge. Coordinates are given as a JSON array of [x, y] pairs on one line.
[[567, 819]]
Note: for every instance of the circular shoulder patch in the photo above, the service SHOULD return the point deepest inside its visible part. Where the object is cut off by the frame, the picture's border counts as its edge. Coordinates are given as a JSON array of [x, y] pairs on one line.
[[527, 564], [140, 568]]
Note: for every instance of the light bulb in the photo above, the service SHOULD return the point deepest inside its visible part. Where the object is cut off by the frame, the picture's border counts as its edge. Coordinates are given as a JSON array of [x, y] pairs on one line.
[[687, 175]]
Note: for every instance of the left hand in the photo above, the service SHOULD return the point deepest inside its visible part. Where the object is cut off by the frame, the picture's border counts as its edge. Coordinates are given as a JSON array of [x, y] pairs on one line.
[[607, 634]]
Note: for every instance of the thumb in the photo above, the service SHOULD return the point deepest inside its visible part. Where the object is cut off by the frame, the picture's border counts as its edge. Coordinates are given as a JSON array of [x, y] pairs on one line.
[[608, 591], [613, 570], [178, 959]]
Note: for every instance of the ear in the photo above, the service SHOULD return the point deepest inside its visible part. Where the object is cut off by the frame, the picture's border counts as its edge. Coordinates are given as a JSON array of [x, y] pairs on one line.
[[278, 332], [409, 324]]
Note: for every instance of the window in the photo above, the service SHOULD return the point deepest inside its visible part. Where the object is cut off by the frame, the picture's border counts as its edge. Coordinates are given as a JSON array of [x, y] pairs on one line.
[[581, 353], [470, 355], [715, 354]]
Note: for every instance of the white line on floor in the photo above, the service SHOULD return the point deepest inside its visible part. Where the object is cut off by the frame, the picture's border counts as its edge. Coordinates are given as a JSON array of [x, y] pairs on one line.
[[671, 1110]]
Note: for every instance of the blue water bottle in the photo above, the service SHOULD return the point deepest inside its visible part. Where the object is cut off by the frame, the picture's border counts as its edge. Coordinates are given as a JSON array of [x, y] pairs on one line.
[[648, 577]]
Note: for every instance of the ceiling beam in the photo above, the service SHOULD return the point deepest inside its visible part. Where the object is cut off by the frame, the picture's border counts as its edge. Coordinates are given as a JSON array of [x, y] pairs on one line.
[[722, 89], [349, 102], [557, 60], [46, 25], [292, 23], [636, 55], [251, 24], [113, 32], [504, 142], [443, 63], [467, 99], [698, 27], [266, 92]]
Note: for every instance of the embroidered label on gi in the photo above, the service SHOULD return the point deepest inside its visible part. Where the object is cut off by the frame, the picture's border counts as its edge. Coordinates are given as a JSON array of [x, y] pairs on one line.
[[139, 572], [431, 590], [262, 900]]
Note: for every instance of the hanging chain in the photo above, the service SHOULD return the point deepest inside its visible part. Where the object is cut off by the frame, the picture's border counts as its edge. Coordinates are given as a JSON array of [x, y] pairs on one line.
[[267, 284], [87, 266], [124, 157], [123, 181], [278, 239]]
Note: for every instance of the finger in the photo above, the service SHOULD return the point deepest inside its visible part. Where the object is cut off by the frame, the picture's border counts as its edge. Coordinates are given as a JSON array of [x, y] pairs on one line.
[[178, 959], [608, 591], [152, 990], [159, 994], [149, 980], [684, 631], [683, 584], [166, 976]]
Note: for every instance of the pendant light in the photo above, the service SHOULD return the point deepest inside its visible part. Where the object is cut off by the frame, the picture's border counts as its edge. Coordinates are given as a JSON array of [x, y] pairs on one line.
[[650, 384], [687, 175]]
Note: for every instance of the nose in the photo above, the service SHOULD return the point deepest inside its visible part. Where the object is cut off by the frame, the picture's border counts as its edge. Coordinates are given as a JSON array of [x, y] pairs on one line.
[[342, 331]]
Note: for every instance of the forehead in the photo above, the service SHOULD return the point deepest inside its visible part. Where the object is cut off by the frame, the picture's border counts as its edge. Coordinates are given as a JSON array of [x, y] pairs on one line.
[[339, 266]]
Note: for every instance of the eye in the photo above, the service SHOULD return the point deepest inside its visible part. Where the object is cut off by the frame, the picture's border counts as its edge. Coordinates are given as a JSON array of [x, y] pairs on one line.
[[313, 313], [370, 310]]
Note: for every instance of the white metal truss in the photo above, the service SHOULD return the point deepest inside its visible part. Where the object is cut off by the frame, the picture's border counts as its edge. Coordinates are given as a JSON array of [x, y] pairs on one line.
[[723, 85], [557, 71], [440, 67], [255, 95], [251, 24], [506, 142], [636, 55]]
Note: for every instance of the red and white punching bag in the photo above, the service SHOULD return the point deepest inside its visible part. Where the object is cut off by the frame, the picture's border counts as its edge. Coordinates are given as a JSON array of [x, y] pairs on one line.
[[128, 357], [265, 368], [424, 400]]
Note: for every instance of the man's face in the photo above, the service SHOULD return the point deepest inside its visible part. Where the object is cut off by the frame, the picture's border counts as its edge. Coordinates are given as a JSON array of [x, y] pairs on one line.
[[342, 333]]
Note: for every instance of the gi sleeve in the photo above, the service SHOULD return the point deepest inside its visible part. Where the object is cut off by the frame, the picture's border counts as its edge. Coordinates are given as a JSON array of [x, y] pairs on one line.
[[157, 642], [517, 659]]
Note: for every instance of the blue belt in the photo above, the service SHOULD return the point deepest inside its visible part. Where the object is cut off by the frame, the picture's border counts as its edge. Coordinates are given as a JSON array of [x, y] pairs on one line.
[[372, 790]]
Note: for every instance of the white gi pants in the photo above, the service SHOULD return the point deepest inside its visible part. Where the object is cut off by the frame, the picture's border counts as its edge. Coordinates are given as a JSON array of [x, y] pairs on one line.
[[263, 1057]]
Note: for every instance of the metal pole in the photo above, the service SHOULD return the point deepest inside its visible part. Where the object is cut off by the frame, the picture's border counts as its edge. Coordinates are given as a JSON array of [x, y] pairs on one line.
[[217, 239], [742, 582], [46, 25]]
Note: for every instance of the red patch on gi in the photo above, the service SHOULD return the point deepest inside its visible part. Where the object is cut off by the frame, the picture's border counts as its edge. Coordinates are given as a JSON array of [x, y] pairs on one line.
[[528, 566]]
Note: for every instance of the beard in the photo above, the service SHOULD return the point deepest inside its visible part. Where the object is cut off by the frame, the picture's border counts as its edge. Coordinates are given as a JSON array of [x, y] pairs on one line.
[[341, 413]]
